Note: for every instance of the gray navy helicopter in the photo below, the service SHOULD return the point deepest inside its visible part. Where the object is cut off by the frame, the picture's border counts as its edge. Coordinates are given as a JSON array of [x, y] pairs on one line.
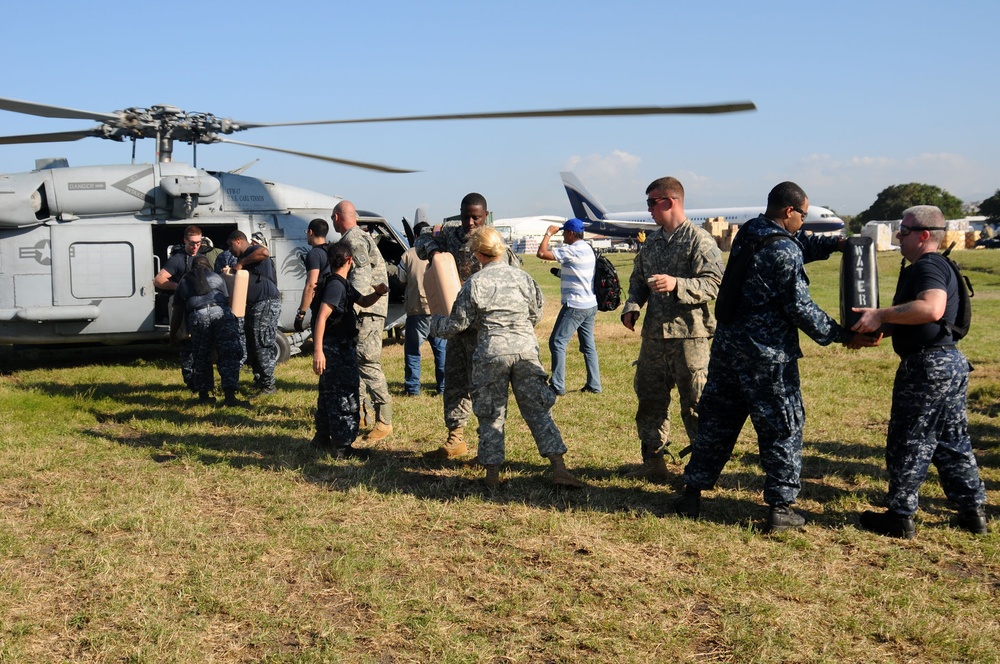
[[79, 246]]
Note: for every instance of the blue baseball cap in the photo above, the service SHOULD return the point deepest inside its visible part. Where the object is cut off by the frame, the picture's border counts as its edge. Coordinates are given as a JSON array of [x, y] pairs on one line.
[[574, 225]]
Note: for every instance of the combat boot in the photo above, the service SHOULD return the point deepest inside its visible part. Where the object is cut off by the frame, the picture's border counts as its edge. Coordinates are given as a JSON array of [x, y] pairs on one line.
[[453, 447], [653, 469], [205, 397], [782, 517], [493, 476], [233, 400], [561, 476], [889, 523], [974, 521], [688, 504], [321, 443], [381, 431]]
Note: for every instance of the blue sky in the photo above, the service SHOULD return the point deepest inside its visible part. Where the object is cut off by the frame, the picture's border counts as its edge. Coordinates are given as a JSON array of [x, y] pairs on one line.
[[852, 96]]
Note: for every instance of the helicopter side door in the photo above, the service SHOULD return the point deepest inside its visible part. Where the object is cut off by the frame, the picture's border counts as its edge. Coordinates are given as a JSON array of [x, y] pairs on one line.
[[107, 265]]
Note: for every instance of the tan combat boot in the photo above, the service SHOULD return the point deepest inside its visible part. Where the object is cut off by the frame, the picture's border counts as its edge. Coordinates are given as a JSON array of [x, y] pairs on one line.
[[453, 447], [654, 469], [381, 431], [561, 476], [493, 476]]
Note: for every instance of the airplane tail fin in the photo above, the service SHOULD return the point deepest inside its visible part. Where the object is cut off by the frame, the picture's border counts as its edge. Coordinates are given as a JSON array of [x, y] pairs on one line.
[[584, 205]]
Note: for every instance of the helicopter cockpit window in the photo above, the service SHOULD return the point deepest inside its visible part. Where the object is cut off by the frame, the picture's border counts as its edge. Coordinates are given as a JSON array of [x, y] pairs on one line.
[[101, 270]]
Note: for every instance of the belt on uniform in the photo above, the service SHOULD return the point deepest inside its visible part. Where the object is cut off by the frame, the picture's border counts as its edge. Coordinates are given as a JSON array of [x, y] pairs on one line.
[[207, 306], [928, 349]]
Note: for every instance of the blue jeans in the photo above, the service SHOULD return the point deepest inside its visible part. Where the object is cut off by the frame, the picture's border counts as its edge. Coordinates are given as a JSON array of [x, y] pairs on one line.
[[417, 329], [569, 321]]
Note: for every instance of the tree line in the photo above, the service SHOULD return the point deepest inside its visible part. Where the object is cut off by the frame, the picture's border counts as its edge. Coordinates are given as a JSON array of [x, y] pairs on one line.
[[891, 202]]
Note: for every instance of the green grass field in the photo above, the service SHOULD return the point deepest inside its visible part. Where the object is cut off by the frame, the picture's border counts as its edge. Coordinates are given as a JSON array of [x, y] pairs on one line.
[[136, 526]]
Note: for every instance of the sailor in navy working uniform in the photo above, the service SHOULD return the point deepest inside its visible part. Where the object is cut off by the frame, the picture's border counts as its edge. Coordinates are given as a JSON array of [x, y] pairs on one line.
[[928, 421]]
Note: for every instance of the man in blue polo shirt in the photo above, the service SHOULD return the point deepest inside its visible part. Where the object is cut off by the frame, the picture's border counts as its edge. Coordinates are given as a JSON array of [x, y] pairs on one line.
[[579, 304]]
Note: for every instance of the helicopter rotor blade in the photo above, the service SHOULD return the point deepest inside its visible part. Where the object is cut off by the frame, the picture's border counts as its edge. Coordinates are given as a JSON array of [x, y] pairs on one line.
[[733, 107], [47, 111], [345, 162], [55, 137]]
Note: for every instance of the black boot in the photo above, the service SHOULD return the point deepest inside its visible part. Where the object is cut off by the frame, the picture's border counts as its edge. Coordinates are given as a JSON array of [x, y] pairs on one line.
[[233, 400], [205, 397], [689, 503], [888, 523], [973, 521], [782, 517]]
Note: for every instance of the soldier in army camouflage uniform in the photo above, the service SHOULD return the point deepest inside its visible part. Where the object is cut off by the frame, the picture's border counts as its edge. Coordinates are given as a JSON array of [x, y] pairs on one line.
[[753, 369], [203, 296], [677, 274], [335, 357], [928, 421], [452, 238], [368, 268], [503, 303]]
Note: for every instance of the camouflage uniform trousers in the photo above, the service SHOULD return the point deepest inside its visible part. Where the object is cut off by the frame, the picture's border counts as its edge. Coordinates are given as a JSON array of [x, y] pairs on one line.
[[187, 362], [370, 330], [526, 377], [770, 394], [929, 423], [457, 397], [662, 364], [261, 326], [214, 328], [337, 406]]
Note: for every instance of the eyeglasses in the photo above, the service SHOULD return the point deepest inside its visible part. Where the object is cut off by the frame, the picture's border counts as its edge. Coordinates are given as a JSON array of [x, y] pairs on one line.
[[801, 213], [906, 230], [653, 202]]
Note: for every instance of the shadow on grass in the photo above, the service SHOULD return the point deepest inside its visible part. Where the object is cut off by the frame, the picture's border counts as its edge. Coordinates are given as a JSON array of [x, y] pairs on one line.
[[234, 441], [59, 356]]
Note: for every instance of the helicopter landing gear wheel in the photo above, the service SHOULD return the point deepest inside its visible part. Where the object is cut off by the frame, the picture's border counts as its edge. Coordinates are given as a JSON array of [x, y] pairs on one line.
[[284, 347]]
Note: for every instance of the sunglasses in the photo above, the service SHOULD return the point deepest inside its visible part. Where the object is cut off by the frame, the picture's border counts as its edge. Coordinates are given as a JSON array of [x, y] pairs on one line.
[[801, 213], [653, 202], [906, 230]]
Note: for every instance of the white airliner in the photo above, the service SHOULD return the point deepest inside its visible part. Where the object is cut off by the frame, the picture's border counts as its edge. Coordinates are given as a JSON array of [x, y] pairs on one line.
[[517, 228], [627, 224]]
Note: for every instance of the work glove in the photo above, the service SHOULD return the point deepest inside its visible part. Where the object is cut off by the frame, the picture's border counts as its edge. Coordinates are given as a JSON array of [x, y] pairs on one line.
[[556, 271], [300, 318]]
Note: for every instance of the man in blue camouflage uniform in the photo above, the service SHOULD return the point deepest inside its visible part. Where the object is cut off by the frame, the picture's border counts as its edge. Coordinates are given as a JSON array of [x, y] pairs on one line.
[[677, 274], [452, 237], [225, 262], [204, 298], [335, 357], [753, 369], [368, 269], [176, 266], [503, 303], [260, 324], [928, 421]]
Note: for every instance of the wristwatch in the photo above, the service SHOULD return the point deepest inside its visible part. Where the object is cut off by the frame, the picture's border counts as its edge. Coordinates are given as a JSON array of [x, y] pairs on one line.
[[300, 312]]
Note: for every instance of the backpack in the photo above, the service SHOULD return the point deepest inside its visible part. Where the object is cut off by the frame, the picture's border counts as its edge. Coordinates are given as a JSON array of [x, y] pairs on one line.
[[728, 300], [607, 288], [963, 318]]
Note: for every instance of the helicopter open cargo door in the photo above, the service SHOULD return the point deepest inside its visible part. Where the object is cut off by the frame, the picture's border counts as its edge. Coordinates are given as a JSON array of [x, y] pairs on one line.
[[110, 267]]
